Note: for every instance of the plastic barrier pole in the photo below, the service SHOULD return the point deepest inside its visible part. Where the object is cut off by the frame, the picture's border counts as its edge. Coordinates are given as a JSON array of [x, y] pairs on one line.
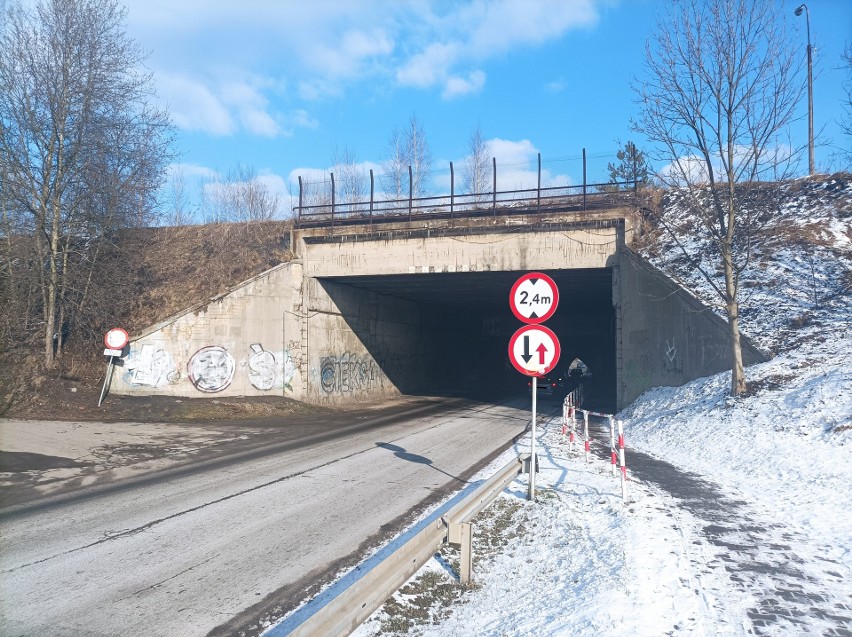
[[586, 432], [621, 459], [571, 436], [612, 444]]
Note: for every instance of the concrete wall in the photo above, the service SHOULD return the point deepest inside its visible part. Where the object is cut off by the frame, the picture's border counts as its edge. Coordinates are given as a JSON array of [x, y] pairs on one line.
[[666, 337], [282, 334], [479, 249], [361, 346], [245, 342]]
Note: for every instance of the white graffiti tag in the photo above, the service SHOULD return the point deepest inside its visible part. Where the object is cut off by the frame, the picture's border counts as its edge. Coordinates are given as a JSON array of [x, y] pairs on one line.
[[211, 369], [151, 366], [262, 368]]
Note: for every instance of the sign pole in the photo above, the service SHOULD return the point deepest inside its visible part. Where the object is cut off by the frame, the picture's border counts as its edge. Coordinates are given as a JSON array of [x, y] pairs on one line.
[[531, 494], [106, 379]]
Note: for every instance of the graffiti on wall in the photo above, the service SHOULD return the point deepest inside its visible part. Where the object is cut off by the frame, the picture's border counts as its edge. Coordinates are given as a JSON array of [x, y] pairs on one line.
[[268, 370], [713, 353], [211, 369], [150, 365], [672, 361], [348, 373]]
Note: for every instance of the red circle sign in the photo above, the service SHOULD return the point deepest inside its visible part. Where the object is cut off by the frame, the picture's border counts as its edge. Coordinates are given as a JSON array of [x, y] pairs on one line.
[[534, 350], [116, 338], [534, 298]]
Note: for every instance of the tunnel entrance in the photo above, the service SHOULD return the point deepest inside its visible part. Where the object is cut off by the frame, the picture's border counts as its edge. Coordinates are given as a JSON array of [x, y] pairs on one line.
[[464, 325]]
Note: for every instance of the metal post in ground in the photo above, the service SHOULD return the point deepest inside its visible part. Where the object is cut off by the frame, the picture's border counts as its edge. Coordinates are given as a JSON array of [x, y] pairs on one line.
[[612, 443], [531, 494], [586, 433], [621, 459]]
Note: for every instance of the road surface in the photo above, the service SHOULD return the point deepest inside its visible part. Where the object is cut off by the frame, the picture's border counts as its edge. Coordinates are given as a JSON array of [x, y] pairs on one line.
[[220, 545]]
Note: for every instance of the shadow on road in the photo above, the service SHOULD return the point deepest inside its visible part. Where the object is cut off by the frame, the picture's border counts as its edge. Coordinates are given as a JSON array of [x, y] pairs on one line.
[[404, 454]]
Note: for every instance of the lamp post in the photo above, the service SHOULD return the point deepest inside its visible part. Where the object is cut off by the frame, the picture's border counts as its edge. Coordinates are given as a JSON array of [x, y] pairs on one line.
[[798, 12]]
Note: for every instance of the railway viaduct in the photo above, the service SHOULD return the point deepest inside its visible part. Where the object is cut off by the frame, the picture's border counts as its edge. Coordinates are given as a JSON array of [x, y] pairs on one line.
[[366, 311]]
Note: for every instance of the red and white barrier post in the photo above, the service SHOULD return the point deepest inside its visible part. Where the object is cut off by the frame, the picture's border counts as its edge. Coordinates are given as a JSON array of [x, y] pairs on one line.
[[573, 428], [566, 409], [586, 433], [612, 444], [621, 460]]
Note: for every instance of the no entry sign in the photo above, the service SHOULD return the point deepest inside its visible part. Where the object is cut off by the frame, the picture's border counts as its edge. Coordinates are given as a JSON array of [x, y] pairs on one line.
[[534, 350], [534, 298]]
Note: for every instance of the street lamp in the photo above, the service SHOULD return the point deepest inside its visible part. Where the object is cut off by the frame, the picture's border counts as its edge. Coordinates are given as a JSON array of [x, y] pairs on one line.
[[798, 12]]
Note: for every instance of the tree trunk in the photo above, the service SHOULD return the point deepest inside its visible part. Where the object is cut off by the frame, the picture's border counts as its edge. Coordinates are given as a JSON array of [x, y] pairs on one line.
[[738, 384]]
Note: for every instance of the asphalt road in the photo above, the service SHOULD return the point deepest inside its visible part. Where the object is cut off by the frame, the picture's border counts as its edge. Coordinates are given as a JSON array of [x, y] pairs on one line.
[[218, 545]]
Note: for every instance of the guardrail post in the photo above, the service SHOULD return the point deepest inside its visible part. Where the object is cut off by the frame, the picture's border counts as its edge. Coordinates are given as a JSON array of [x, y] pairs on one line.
[[466, 565], [372, 191], [584, 179], [410, 190], [586, 433]]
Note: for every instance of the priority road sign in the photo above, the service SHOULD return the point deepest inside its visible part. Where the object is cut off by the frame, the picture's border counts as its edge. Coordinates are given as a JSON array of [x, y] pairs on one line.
[[534, 298], [534, 350]]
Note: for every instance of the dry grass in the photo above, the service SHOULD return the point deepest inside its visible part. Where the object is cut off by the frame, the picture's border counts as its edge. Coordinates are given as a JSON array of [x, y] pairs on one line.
[[170, 269]]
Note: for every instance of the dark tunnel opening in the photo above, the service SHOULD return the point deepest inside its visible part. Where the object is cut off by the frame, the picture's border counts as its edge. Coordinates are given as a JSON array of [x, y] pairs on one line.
[[462, 324]]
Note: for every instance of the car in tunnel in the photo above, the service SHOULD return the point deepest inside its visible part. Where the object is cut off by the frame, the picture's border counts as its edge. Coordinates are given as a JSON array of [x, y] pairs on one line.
[[554, 384]]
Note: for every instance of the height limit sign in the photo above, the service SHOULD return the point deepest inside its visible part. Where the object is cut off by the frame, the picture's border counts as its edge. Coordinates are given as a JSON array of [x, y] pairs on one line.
[[534, 298]]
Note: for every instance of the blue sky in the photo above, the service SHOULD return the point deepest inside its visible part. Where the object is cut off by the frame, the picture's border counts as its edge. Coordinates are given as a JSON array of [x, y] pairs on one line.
[[278, 85]]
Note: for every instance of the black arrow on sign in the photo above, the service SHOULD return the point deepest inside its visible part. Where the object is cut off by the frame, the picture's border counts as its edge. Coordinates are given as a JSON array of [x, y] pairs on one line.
[[526, 355], [533, 315]]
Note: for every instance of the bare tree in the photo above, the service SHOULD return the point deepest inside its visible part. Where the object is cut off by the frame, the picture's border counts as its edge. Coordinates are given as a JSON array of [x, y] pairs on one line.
[[722, 84], [419, 155], [82, 149], [846, 123], [476, 168], [180, 211], [407, 148], [350, 180], [239, 195]]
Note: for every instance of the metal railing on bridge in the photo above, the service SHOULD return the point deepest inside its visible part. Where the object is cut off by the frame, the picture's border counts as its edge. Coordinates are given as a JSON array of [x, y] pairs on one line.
[[323, 207]]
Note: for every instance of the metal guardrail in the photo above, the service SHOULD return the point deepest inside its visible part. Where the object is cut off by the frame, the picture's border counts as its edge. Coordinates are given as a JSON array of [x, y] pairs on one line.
[[349, 609]]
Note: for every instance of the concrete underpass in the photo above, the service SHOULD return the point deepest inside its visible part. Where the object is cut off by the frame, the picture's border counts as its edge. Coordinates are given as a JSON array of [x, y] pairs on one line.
[[469, 324]]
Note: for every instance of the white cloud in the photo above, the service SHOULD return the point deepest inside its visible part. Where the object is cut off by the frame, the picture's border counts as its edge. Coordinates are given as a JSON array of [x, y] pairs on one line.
[[428, 68], [192, 171], [322, 47], [505, 24], [193, 106], [556, 86], [458, 86], [251, 107], [345, 57]]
